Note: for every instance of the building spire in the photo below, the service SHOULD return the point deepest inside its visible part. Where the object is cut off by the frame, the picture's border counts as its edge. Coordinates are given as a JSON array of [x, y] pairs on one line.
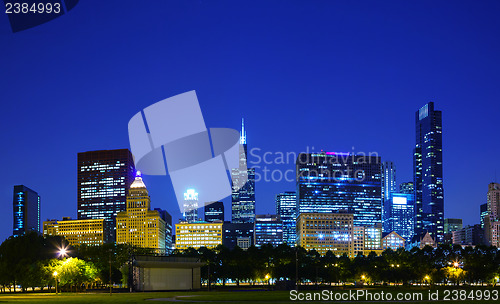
[[243, 133]]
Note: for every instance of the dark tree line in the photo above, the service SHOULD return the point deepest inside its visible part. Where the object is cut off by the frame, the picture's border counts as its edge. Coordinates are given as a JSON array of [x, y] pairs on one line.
[[445, 264], [30, 261]]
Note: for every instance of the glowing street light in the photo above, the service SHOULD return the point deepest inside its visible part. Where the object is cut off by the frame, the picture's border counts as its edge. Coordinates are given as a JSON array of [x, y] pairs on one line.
[[455, 264], [363, 277], [55, 276], [63, 252]]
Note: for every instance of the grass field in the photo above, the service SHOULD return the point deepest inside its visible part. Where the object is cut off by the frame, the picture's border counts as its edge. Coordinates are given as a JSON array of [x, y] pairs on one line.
[[215, 297]]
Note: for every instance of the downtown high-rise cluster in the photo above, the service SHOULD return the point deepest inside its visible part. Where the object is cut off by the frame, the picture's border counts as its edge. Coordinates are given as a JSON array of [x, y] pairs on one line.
[[347, 203]]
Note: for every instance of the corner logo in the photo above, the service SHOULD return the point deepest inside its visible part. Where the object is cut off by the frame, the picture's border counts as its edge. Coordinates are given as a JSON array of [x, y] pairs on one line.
[[171, 136], [26, 14]]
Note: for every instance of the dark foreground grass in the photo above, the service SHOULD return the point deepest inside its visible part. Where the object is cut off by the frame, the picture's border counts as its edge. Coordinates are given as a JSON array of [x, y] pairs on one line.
[[218, 297]]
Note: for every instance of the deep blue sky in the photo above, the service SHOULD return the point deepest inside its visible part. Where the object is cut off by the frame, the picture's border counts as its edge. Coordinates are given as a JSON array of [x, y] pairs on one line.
[[328, 74]]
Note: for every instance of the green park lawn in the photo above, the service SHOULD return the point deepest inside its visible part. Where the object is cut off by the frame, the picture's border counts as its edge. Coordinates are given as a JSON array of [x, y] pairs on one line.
[[189, 297]]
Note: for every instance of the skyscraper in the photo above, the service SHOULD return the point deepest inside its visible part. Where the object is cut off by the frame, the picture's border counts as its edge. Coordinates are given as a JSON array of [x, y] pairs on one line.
[[331, 182], [388, 179], [167, 218], [26, 209], [190, 213], [138, 225], [492, 218], [407, 188], [428, 173], [399, 215], [483, 212], [268, 229], [243, 194], [286, 208], [214, 212], [104, 179]]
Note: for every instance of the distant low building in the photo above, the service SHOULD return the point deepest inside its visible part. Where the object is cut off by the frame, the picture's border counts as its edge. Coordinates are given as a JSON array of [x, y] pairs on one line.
[[78, 232], [393, 241], [237, 234], [421, 241], [198, 234], [325, 232], [367, 239], [469, 236]]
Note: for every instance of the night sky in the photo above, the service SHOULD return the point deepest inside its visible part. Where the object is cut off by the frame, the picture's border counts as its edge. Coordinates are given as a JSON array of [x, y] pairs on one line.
[[332, 75]]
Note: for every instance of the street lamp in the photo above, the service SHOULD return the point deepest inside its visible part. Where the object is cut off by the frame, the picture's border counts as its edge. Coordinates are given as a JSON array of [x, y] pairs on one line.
[[55, 277], [63, 252], [268, 277], [455, 264]]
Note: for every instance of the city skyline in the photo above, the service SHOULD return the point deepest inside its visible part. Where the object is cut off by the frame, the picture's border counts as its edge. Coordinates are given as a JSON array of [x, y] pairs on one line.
[[282, 75]]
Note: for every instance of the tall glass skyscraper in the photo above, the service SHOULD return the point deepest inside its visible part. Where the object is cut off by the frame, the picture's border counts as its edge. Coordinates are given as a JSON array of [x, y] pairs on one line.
[[190, 211], [388, 179], [104, 179], [243, 194], [286, 208], [26, 209], [428, 173], [399, 215], [333, 182]]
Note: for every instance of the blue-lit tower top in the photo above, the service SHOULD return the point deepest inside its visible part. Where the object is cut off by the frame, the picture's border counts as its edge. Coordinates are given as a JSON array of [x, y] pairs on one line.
[[243, 133]]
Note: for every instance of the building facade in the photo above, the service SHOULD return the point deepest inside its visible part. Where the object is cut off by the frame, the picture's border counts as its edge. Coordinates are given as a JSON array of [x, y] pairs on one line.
[[214, 212], [190, 206], [325, 232], [392, 241], [332, 182], [26, 210], [138, 225], [243, 188], [268, 229], [286, 209], [428, 173], [469, 236], [451, 224], [492, 218], [237, 234], [104, 178], [196, 235], [399, 215], [407, 188], [77, 232], [167, 218], [388, 180], [483, 212]]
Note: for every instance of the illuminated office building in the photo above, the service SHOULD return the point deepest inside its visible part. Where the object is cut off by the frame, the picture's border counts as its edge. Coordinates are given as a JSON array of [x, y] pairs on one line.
[[407, 188], [483, 212], [325, 232], [367, 239], [286, 208], [237, 234], [469, 236], [451, 224], [138, 225], [104, 178], [492, 218], [214, 212], [196, 235], [392, 241], [77, 232], [268, 229], [399, 215], [190, 213], [167, 218], [243, 188], [428, 173], [332, 182], [388, 179], [26, 210]]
